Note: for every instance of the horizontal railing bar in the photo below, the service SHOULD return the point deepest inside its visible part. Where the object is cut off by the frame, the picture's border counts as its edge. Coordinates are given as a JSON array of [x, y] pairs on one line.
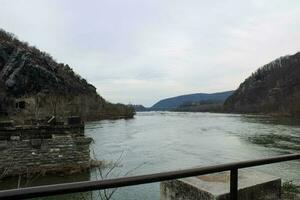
[[66, 188]]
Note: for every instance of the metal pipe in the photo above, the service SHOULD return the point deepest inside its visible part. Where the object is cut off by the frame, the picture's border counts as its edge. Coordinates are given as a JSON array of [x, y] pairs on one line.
[[234, 184], [66, 188]]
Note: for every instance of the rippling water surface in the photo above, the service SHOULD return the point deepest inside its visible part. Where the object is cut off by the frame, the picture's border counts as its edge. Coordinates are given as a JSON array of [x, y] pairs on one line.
[[161, 141]]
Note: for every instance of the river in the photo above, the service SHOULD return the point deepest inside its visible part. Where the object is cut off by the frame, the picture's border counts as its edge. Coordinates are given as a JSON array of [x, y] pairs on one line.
[[161, 141]]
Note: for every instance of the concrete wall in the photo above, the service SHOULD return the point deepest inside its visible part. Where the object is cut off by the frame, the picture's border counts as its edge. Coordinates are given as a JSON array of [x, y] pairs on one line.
[[252, 185], [178, 190]]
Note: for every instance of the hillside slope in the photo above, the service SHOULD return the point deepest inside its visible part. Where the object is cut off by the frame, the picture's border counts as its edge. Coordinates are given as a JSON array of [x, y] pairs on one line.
[[273, 88], [174, 102], [34, 85], [140, 108]]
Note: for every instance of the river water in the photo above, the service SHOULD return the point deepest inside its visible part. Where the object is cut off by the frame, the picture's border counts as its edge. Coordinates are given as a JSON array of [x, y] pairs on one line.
[[162, 141]]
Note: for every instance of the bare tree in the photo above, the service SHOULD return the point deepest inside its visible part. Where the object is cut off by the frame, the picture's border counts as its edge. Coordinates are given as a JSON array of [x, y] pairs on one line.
[[28, 178], [54, 102], [109, 170], [37, 106], [4, 171]]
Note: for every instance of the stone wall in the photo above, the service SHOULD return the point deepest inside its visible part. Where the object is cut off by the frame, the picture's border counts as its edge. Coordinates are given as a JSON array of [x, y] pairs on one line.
[[59, 154], [40, 132]]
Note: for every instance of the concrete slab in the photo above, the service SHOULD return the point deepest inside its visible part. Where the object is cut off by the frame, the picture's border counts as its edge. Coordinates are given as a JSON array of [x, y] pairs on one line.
[[253, 185]]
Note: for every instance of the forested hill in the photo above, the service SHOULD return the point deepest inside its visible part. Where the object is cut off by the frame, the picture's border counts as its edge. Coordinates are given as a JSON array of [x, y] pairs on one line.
[[175, 102], [28, 74], [273, 88]]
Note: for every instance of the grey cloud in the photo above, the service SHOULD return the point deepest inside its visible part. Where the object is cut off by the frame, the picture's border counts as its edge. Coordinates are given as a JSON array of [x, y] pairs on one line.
[[140, 51]]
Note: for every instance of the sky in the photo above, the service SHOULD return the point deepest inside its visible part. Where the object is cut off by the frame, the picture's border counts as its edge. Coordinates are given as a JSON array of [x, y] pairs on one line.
[[141, 51]]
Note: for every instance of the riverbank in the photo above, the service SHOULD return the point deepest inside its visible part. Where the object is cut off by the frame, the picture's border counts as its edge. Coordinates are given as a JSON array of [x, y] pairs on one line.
[[218, 109]]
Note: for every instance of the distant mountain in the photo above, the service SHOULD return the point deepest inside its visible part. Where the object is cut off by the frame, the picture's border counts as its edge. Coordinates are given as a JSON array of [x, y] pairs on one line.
[[273, 88], [175, 102], [202, 106], [34, 85]]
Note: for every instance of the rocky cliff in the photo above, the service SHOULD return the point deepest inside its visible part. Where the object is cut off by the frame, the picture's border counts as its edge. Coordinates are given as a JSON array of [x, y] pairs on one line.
[[33, 85], [273, 88]]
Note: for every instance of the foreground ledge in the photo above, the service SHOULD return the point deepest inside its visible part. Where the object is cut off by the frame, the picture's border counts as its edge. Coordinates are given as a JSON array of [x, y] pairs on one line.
[[253, 185]]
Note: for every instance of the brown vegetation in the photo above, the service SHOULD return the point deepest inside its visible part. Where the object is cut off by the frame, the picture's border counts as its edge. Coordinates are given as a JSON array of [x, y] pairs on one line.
[[273, 89]]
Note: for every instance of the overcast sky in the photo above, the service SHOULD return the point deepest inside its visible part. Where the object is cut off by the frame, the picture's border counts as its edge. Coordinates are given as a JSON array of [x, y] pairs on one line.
[[140, 51]]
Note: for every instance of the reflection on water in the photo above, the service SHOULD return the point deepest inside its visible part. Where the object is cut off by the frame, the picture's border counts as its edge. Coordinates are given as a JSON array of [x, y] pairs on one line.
[[161, 141]]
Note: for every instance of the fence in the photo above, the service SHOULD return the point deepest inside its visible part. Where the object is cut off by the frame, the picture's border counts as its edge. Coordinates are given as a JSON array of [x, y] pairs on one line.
[[84, 186]]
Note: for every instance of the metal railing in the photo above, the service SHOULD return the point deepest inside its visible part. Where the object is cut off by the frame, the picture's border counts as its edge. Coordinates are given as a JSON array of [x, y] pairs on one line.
[[66, 188]]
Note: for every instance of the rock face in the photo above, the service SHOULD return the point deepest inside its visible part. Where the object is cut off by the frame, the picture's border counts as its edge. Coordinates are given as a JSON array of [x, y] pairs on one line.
[[32, 84], [273, 88]]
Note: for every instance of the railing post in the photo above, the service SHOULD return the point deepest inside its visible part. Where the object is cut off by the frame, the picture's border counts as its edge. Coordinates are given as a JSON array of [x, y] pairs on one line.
[[234, 184]]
